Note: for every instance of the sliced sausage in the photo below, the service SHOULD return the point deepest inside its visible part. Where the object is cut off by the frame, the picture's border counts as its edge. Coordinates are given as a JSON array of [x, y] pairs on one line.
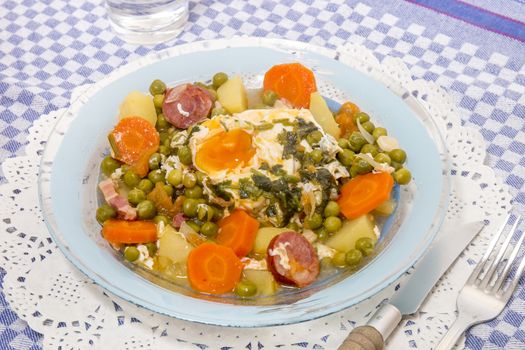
[[292, 259], [186, 104]]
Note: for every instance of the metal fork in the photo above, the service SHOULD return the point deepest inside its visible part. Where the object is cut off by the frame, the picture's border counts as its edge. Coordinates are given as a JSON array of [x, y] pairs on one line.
[[487, 290]]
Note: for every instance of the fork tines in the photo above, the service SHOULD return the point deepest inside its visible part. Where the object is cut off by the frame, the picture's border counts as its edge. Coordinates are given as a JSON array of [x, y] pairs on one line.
[[488, 275]]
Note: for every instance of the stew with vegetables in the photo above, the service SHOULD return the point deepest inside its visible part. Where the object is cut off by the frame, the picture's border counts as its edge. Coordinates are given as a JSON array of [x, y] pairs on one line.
[[226, 189]]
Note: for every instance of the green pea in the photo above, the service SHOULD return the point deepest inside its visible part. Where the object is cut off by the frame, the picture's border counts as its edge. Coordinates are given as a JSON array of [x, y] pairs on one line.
[[135, 196], [245, 289], [109, 165], [205, 212], [362, 117], [145, 185], [146, 210], [131, 179], [368, 148], [209, 229], [331, 209], [362, 166], [346, 157], [189, 180], [383, 158], [396, 165], [219, 79], [343, 143], [368, 126], [339, 259], [165, 150], [157, 87], [162, 123], [218, 111], [189, 207], [200, 177], [269, 97], [161, 218], [152, 248], [353, 257], [313, 222], [175, 177], [332, 224], [157, 176], [353, 171], [163, 136], [158, 100], [184, 154], [322, 234], [314, 137], [105, 212], [402, 176], [365, 245], [195, 227], [378, 132], [154, 161], [131, 253], [316, 155], [356, 141], [398, 155], [193, 192], [169, 189]]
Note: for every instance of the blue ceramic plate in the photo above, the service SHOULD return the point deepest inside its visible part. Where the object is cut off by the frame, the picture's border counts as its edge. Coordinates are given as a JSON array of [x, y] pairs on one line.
[[70, 168]]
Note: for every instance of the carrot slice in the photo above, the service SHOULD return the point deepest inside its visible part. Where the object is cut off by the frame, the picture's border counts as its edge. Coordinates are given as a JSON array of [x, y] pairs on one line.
[[129, 232], [213, 268], [133, 141], [292, 81], [238, 231], [345, 119], [364, 193]]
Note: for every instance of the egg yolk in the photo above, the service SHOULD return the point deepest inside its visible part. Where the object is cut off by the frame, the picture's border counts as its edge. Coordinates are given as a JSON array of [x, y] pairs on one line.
[[225, 150]]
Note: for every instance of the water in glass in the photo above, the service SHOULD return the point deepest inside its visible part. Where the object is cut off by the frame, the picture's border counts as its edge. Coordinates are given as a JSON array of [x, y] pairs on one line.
[[147, 21]]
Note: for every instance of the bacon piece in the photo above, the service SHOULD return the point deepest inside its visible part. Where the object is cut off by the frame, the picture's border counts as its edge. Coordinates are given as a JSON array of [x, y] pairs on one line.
[[186, 104], [120, 203], [178, 219]]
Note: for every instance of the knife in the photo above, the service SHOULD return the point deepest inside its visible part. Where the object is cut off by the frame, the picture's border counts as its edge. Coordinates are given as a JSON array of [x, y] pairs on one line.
[[407, 300]]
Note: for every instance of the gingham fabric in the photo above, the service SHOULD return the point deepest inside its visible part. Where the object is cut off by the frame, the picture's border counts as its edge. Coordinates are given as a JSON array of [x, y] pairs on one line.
[[474, 48]]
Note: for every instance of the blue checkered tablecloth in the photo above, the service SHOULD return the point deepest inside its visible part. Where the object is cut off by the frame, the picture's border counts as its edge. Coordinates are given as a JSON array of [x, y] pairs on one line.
[[473, 48]]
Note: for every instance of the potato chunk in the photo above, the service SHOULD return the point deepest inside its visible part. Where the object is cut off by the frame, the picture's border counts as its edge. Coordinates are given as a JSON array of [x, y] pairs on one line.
[[344, 239], [174, 246], [263, 237], [137, 104], [232, 95], [323, 115]]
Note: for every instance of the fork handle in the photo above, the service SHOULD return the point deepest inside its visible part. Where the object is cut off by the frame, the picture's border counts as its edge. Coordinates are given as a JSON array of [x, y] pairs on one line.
[[460, 325]]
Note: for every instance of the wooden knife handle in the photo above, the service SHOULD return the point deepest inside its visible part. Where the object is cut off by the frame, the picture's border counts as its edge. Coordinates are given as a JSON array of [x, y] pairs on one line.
[[363, 338]]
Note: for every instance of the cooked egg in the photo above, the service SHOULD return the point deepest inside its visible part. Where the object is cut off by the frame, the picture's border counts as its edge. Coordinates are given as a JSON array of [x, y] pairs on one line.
[[230, 147]]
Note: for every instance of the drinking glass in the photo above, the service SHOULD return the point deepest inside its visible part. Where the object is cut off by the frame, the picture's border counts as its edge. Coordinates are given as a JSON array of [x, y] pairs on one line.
[[147, 22]]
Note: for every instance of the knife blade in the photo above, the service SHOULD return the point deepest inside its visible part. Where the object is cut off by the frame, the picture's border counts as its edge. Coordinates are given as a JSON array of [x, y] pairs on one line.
[[452, 240]]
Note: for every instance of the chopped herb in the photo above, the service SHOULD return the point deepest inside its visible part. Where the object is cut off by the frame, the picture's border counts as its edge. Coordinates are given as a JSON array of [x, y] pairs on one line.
[[265, 166], [262, 181], [304, 128], [289, 140], [221, 189], [247, 189], [278, 170]]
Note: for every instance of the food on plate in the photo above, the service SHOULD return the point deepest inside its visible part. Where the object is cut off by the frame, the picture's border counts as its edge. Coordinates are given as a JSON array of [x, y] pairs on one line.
[[228, 188]]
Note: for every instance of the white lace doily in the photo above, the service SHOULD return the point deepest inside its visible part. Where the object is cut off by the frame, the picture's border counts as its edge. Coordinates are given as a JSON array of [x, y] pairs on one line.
[[58, 301]]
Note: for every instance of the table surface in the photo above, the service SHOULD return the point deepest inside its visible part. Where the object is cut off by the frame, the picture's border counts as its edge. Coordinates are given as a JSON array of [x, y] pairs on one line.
[[473, 48]]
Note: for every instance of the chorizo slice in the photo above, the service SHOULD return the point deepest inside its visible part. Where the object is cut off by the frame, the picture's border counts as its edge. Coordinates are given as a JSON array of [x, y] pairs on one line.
[[292, 259], [186, 104]]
